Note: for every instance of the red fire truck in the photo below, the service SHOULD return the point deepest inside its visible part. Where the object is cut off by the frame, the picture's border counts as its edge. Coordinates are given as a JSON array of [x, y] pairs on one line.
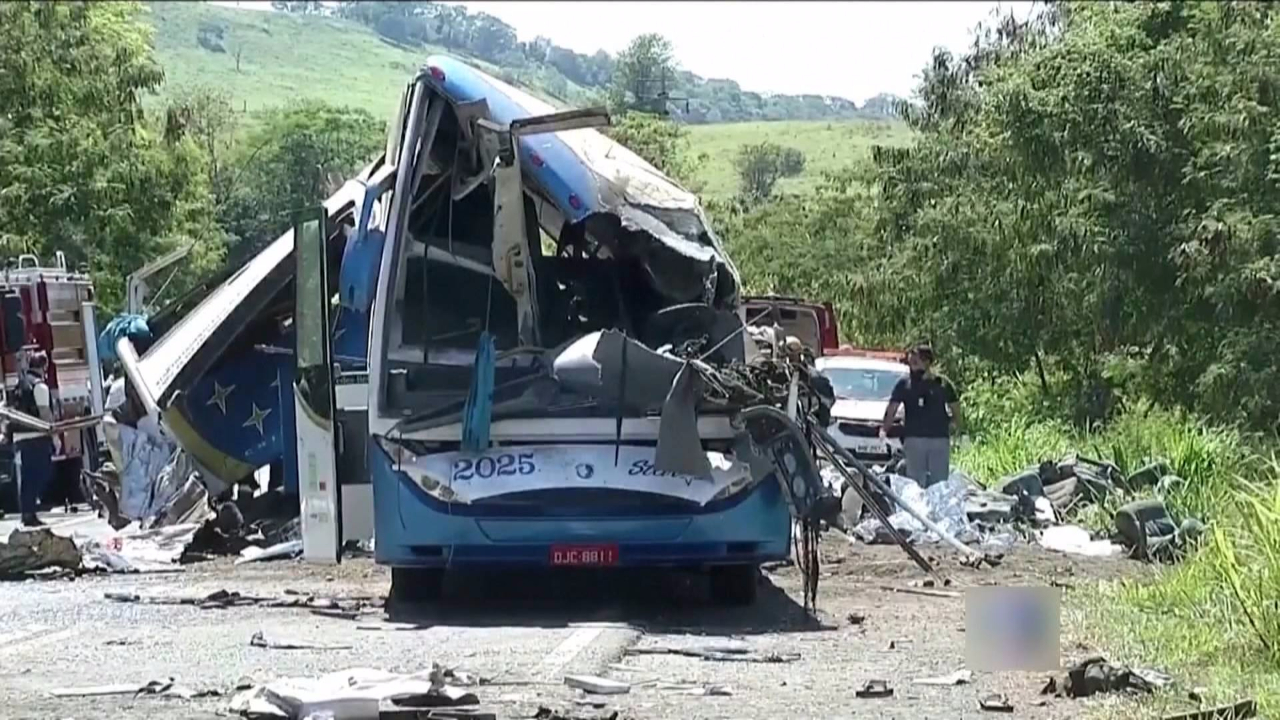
[[41, 309]]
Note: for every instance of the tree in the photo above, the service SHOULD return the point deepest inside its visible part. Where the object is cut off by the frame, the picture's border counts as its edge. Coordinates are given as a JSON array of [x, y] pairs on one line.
[[1093, 193], [641, 70], [83, 171], [791, 163], [660, 142], [761, 165], [288, 163], [205, 114], [306, 7]]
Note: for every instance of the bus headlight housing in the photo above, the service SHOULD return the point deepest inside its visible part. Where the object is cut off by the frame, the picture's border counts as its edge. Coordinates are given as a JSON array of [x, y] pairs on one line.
[[405, 460]]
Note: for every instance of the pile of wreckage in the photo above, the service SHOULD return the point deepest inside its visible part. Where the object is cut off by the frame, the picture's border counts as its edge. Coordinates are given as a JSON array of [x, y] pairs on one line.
[[159, 510], [1033, 506]]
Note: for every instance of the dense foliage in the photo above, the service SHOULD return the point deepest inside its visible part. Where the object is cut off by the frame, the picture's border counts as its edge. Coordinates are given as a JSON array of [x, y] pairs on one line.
[[1092, 195], [81, 169], [85, 172], [761, 165]]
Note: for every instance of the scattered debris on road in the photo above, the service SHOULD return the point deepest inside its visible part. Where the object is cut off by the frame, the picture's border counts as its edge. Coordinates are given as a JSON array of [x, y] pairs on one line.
[[102, 690], [926, 592], [287, 549], [546, 713], [874, 689], [996, 702], [136, 550], [225, 599], [163, 688], [722, 653], [959, 677], [260, 640], [31, 550], [1242, 710], [597, 685], [696, 689], [1095, 675], [355, 694]]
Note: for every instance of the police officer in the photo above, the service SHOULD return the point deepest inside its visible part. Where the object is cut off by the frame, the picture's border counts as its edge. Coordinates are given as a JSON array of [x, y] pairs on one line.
[[932, 407], [33, 450]]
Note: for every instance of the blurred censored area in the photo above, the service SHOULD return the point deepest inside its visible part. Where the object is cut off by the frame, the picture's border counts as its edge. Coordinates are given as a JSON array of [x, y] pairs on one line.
[[1013, 628]]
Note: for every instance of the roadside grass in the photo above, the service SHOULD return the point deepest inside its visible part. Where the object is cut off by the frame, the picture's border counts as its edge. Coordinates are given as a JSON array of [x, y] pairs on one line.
[[1213, 620], [827, 147]]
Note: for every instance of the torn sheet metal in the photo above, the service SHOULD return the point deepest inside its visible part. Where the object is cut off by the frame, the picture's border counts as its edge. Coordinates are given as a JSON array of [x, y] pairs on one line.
[[145, 454], [593, 365], [679, 446], [279, 551], [589, 175], [354, 694], [192, 346]]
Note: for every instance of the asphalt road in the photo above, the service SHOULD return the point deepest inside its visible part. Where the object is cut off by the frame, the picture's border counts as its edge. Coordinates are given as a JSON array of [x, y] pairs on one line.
[[526, 632]]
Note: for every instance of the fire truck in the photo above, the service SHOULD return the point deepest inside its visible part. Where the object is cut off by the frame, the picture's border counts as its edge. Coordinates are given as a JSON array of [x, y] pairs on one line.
[[42, 309]]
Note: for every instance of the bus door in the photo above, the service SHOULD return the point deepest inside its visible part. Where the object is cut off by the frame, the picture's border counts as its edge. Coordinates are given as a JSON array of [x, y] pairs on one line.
[[313, 394]]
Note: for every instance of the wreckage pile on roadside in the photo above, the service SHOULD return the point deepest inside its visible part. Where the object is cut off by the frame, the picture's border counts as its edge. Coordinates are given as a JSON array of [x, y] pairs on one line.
[[1034, 505], [159, 510]]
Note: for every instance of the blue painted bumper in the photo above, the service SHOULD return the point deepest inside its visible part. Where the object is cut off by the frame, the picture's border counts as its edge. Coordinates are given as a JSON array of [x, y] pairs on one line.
[[414, 530]]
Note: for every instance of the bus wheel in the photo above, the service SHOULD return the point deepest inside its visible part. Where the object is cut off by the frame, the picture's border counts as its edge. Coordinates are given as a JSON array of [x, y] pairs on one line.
[[734, 585], [416, 585]]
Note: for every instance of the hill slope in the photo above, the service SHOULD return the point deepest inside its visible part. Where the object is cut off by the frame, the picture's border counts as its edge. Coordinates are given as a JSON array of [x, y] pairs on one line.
[[827, 146], [265, 58], [282, 57], [285, 56]]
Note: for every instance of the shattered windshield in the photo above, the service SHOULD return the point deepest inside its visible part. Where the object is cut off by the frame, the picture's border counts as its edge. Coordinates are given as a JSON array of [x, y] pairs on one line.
[[863, 383], [655, 274]]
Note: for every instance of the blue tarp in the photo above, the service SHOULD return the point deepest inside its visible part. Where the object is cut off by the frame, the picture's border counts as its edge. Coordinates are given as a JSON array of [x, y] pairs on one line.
[[133, 327]]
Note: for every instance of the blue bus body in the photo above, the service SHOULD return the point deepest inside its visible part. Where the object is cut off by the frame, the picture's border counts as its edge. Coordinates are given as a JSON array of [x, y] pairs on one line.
[[557, 489], [551, 485]]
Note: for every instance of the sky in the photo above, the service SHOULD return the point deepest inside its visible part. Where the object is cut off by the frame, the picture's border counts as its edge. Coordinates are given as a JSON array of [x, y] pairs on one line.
[[849, 49]]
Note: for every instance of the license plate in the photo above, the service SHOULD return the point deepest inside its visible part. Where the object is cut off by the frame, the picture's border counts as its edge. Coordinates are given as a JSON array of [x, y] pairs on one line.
[[584, 555], [877, 448]]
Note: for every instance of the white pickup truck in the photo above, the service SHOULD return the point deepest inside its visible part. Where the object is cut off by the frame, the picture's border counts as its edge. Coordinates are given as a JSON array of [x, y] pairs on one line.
[[862, 387]]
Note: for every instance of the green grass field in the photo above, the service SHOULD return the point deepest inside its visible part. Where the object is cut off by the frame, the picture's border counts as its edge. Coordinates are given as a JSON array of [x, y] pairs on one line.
[[285, 57], [827, 147]]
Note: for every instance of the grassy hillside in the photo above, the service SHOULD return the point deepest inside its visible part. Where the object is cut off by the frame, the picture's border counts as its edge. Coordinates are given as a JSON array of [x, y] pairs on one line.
[[284, 56], [827, 146]]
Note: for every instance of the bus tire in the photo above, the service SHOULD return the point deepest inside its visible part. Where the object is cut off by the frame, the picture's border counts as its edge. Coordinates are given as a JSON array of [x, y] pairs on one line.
[[417, 585], [734, 585]]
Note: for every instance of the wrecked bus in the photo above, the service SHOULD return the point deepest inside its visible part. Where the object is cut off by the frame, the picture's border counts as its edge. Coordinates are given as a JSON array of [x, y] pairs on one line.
[[597, 427], [579, 260]]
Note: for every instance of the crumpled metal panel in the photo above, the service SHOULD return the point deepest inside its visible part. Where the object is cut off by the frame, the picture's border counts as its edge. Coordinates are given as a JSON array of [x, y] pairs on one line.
[[187, 350], [585, 173]]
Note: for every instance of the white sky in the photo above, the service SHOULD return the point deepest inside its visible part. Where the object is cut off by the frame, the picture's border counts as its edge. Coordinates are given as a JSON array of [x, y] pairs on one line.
[[849, 49]]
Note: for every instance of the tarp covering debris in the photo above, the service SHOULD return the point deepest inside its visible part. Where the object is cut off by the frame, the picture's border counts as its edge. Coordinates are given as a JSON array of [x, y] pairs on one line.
[[943, 503]]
